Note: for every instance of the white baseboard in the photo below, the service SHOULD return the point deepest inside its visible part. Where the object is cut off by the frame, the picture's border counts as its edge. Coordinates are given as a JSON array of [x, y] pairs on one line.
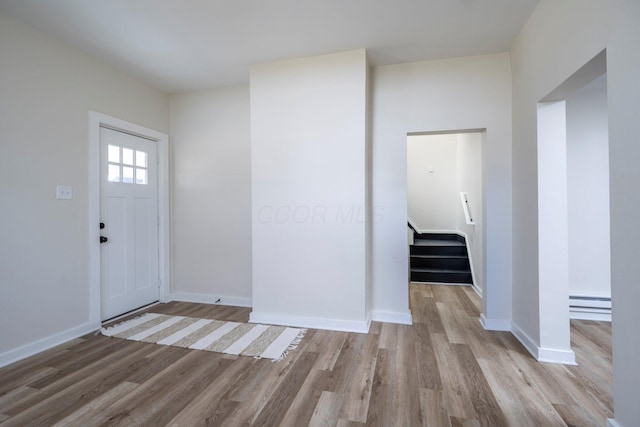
[[311, 322], [422, 231], [43, 344], [503, 325], [471, 266], [613, 423], [525, 340], [211, 299], [392, 317], [477, 290], [437, 231], [550, 355]]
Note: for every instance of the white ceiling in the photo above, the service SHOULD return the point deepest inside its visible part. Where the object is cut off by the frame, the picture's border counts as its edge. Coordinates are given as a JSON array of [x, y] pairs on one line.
[[182, 45]]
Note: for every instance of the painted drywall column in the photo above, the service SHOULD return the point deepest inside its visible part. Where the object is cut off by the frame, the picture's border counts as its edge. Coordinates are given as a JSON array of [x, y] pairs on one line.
[[553, 235], [308, 151], [457, 94], [211, 193], [470, 181], [623, 68]]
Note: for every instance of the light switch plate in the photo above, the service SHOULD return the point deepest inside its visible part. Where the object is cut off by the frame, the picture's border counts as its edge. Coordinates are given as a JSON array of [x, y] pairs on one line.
[[64, 192]]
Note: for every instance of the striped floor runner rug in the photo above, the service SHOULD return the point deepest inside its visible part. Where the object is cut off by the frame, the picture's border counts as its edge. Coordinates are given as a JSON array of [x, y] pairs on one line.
[[246, 339]]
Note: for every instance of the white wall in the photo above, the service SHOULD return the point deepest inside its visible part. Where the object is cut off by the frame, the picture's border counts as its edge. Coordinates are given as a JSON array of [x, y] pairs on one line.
[[46, 92], [623, 68], [469, 180], [211, 209], [588, 187], [544, 55], [456, 94], [432, 171], [308, 150]]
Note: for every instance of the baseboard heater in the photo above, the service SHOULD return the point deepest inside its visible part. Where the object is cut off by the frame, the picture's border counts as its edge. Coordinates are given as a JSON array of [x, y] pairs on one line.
[[590, 308]]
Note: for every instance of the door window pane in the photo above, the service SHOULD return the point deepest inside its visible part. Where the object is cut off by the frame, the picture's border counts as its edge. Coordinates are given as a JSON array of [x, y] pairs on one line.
[[127, 174], [127, 156], [141, 159], [141, 176], [114, 154], [114, 173], [127, 165]]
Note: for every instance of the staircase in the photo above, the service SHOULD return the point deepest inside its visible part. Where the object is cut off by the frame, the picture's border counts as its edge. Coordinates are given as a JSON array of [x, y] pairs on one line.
[[440, 258]]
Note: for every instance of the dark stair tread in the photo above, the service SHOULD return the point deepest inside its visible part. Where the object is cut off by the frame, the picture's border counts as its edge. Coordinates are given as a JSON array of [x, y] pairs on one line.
[[442, 278], [438, 250], [439, 258], [429, 242], [450, 282], [424, 256], [437, 270], [438, 236]]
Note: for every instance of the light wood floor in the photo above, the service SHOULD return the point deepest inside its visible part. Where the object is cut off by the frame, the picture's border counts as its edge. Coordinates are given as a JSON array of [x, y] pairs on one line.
[[445, 370]]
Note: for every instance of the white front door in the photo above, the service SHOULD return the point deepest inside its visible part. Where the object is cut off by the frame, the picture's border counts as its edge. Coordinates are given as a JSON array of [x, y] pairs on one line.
[[129, 275]]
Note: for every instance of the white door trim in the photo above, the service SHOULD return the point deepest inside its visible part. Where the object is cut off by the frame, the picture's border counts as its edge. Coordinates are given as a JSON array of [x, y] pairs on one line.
[[96, 120]]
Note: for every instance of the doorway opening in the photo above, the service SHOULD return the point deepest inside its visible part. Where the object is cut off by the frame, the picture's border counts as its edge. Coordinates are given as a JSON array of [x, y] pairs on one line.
[[445, 207], [573, 208]]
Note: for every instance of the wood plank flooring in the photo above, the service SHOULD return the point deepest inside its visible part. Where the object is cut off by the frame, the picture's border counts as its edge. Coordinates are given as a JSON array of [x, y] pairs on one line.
[[444, 370]]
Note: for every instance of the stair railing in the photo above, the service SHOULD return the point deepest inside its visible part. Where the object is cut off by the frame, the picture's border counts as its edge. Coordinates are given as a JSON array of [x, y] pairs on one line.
[[466, 209]]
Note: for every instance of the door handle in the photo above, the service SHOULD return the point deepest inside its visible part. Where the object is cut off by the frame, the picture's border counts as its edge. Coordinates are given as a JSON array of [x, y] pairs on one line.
[[103, 239]]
